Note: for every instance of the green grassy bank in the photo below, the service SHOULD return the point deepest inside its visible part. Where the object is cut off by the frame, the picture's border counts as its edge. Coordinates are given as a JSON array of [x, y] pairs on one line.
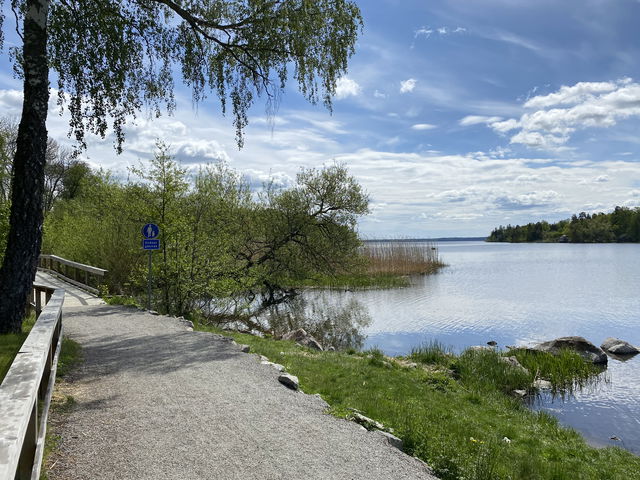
[[454, 412], [10, 345]]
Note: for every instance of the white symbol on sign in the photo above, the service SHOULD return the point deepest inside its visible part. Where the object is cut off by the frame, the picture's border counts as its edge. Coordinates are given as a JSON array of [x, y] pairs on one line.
[[150, 231]]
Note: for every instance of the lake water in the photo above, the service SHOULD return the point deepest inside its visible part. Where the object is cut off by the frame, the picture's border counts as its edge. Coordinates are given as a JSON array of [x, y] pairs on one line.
[[520, 294]]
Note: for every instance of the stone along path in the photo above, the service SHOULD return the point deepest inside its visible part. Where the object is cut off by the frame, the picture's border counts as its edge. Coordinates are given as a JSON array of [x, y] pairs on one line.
[[155, 400]]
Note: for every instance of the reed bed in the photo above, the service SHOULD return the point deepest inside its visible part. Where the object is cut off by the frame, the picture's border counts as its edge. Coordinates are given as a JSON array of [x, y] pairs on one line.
[[397, 257]]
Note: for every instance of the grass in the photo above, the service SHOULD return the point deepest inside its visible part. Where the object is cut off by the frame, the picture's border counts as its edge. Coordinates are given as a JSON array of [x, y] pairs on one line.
[[401, 258], [10, 345], [61, 402], [450, 411], [383, 265]]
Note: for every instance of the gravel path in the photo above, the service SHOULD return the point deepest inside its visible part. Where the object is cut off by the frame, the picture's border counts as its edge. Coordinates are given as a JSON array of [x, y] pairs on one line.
[[155, 400]]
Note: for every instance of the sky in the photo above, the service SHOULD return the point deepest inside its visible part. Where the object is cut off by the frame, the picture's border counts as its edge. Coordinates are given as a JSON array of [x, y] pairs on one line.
[[456, 116]]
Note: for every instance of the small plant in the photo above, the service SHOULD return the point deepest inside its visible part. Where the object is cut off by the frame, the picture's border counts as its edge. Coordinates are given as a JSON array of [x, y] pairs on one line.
[[485, 370], [566, 371], [432, 353]]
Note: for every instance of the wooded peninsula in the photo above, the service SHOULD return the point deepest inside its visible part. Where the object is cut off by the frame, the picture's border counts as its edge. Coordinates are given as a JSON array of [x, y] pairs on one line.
[[621, 226]]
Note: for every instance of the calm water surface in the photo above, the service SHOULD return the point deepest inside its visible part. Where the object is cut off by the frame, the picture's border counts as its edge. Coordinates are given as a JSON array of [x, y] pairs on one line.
[[519, 294]]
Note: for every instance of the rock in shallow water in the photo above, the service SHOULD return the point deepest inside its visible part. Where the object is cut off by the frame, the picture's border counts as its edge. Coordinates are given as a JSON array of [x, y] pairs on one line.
[[580, 345], [618, 347]]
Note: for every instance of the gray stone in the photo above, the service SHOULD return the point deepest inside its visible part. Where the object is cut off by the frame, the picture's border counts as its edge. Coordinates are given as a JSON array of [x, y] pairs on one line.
[[480, 348], [542, 384], [618, 347], [290, 381], [277, 366], [519, 393], [245, 348], [513, 361], [368, 423], [392, 439], [301, 337], [580, 345], [331, 348], [492, 343]]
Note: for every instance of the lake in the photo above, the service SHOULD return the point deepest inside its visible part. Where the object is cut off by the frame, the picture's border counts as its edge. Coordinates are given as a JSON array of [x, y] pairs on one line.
[[520, 294]]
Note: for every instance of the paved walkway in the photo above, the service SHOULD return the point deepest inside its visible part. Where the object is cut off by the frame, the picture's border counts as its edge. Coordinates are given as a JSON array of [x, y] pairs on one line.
[[155, 400]]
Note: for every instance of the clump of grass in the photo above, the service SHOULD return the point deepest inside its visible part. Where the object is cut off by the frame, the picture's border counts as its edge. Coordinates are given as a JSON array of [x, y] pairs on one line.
[[121, 300], [485, 370], [566, 371], [401, 258], [10, 344], [70, 356], [449, 419], [433, 353]]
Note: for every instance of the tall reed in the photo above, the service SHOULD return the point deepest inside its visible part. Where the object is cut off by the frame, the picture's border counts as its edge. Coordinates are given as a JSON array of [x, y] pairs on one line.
[[399, 257]]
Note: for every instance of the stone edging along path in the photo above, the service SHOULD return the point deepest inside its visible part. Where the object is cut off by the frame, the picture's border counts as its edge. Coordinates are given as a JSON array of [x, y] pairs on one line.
[[156, 400]]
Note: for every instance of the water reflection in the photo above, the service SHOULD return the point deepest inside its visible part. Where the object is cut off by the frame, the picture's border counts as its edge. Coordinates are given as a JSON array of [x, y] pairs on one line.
[[334, 322], [337, 324]]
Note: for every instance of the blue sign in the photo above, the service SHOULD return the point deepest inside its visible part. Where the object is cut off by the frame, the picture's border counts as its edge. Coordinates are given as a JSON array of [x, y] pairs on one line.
[[150, 230], [151, 244]]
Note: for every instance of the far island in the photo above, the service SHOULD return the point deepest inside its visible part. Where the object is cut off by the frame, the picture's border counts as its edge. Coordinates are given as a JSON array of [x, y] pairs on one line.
[[621, 225]]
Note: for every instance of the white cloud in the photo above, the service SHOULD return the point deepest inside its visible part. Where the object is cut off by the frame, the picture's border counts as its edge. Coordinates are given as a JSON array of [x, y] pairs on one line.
[[478, 119], [379, 94], [556, 116], [573, 95], [408, 85], [347, 87], [444, 30], [423, 126]]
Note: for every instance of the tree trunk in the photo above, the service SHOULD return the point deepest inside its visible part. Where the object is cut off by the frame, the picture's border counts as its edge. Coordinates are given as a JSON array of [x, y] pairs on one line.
[[25, 232]]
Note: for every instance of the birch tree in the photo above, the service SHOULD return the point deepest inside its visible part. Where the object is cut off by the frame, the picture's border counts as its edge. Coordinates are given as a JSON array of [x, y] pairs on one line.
[[114, 58]]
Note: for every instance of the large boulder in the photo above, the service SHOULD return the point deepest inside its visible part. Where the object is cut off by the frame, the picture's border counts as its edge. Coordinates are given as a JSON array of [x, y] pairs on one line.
[[618, 347], [303, 338], [580, 345]]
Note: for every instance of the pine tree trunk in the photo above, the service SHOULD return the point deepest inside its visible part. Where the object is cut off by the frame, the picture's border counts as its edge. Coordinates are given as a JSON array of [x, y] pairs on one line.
[[25, 233]]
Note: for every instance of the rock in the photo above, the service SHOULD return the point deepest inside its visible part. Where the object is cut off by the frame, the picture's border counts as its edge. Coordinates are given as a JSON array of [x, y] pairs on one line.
[[331, 348], [290, 381], [187, 323], [519, 393], [263, 358], [392, 439], [303, 338], [513, 361], [543, 385], [492, 343], [618, 347], [245, 348], [367, 422], [411, 365], [580, 345], [277, 366], [480, 348]]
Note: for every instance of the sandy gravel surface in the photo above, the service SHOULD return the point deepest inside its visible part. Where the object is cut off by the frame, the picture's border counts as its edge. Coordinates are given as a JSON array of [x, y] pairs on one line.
[[157, 401]]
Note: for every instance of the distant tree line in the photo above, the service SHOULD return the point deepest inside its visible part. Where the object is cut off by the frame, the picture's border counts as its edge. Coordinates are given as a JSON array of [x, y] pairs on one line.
[[621, 225]]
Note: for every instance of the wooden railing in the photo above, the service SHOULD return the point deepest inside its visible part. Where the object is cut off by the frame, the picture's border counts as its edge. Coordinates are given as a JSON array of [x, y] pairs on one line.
[[25, 393], [78, 274]]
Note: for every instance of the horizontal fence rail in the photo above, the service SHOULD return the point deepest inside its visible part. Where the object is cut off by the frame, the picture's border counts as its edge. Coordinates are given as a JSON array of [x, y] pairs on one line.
[[78, 274], [25, 393]]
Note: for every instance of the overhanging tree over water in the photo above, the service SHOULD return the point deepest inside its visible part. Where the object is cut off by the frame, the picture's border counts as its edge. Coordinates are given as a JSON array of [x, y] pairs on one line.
[[114, 58]]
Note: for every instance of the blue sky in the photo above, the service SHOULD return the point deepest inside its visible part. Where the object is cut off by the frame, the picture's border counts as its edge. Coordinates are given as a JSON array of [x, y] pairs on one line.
[[456, 116]]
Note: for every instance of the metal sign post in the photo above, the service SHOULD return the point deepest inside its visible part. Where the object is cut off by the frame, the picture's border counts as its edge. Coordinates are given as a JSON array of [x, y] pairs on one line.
[[150, 231]]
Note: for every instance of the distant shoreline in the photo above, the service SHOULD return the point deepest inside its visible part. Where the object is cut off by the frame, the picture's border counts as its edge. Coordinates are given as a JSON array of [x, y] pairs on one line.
[[441, 239]]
